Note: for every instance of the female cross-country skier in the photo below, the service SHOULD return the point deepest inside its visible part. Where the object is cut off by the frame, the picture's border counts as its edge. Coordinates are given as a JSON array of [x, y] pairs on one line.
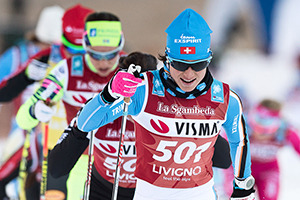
[[178, 113]]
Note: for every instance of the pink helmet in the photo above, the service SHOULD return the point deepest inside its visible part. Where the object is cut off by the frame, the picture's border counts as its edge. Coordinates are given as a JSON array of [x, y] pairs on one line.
[[264, 120], [73, 23]]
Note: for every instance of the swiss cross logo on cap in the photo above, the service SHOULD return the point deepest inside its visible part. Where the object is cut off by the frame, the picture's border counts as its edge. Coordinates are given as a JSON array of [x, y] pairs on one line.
[[187, 50]]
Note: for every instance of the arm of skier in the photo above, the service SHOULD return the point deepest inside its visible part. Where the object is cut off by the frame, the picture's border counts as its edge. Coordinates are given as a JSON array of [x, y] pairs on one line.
[[12, 87], [34, 109], [293, 138], [67, 151], [35, 71], [108, 105], [236, 132], [8, 62]]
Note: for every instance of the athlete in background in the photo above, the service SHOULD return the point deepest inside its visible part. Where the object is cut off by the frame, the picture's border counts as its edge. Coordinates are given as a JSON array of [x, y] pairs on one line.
[[268, 133], [12, 61], [16, 56], [47, 32], [76, 79], [71, 37], [73, 143]]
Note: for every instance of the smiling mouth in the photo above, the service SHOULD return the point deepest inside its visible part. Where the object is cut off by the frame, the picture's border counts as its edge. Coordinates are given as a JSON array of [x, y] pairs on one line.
[[187, 81]]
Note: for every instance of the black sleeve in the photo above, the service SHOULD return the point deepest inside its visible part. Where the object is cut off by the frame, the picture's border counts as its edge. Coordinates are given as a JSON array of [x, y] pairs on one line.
[[11, 88], [221, 157], [65, 154]]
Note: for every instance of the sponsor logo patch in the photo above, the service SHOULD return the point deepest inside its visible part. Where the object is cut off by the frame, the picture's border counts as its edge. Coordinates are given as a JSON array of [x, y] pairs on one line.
[[182, 110], [77, 66], [91, 85], [162, 127], [187, 50], [93, 32]]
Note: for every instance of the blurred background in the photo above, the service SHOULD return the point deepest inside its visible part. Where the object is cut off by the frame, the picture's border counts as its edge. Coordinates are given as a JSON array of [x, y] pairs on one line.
[[246, 33], [143, 22], [256, 46]]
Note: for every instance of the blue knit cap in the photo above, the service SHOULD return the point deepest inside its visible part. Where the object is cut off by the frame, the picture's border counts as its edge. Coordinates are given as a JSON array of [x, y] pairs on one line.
[[188, 37]]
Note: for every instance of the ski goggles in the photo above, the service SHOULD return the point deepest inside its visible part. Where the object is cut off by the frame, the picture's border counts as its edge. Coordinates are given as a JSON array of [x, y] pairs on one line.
[[264, 121], [104, 55], [182, 65], [264, 126]]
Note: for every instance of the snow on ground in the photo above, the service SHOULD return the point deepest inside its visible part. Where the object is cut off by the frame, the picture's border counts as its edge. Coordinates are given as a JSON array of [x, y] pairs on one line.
[[290, 174]]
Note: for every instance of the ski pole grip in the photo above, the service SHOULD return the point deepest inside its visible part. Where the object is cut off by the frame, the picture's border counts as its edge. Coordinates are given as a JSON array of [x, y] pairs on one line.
[[135, 70], [127, 99]]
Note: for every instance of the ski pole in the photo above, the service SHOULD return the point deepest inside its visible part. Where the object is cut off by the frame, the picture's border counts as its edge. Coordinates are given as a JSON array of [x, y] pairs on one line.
[[89, 171], [45, 159], [23, 165], [120, 151], [45, 163], [134, 70]]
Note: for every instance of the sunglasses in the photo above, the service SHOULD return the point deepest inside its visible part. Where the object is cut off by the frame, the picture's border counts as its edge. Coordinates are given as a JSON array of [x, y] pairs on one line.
[[182, 65], [103, 55]]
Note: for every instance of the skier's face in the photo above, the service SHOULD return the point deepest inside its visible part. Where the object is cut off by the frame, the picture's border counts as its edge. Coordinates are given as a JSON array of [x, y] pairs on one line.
[[187, 80], [104, 66]]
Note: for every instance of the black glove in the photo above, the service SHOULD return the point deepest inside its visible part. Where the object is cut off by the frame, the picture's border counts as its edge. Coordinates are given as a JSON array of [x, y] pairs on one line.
[[107, 96], [243, 189], [241, 194]]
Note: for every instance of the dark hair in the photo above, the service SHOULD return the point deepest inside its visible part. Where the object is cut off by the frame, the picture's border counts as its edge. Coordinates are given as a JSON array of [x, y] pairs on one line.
[[102, 16], [146, 61], [162, 57]]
